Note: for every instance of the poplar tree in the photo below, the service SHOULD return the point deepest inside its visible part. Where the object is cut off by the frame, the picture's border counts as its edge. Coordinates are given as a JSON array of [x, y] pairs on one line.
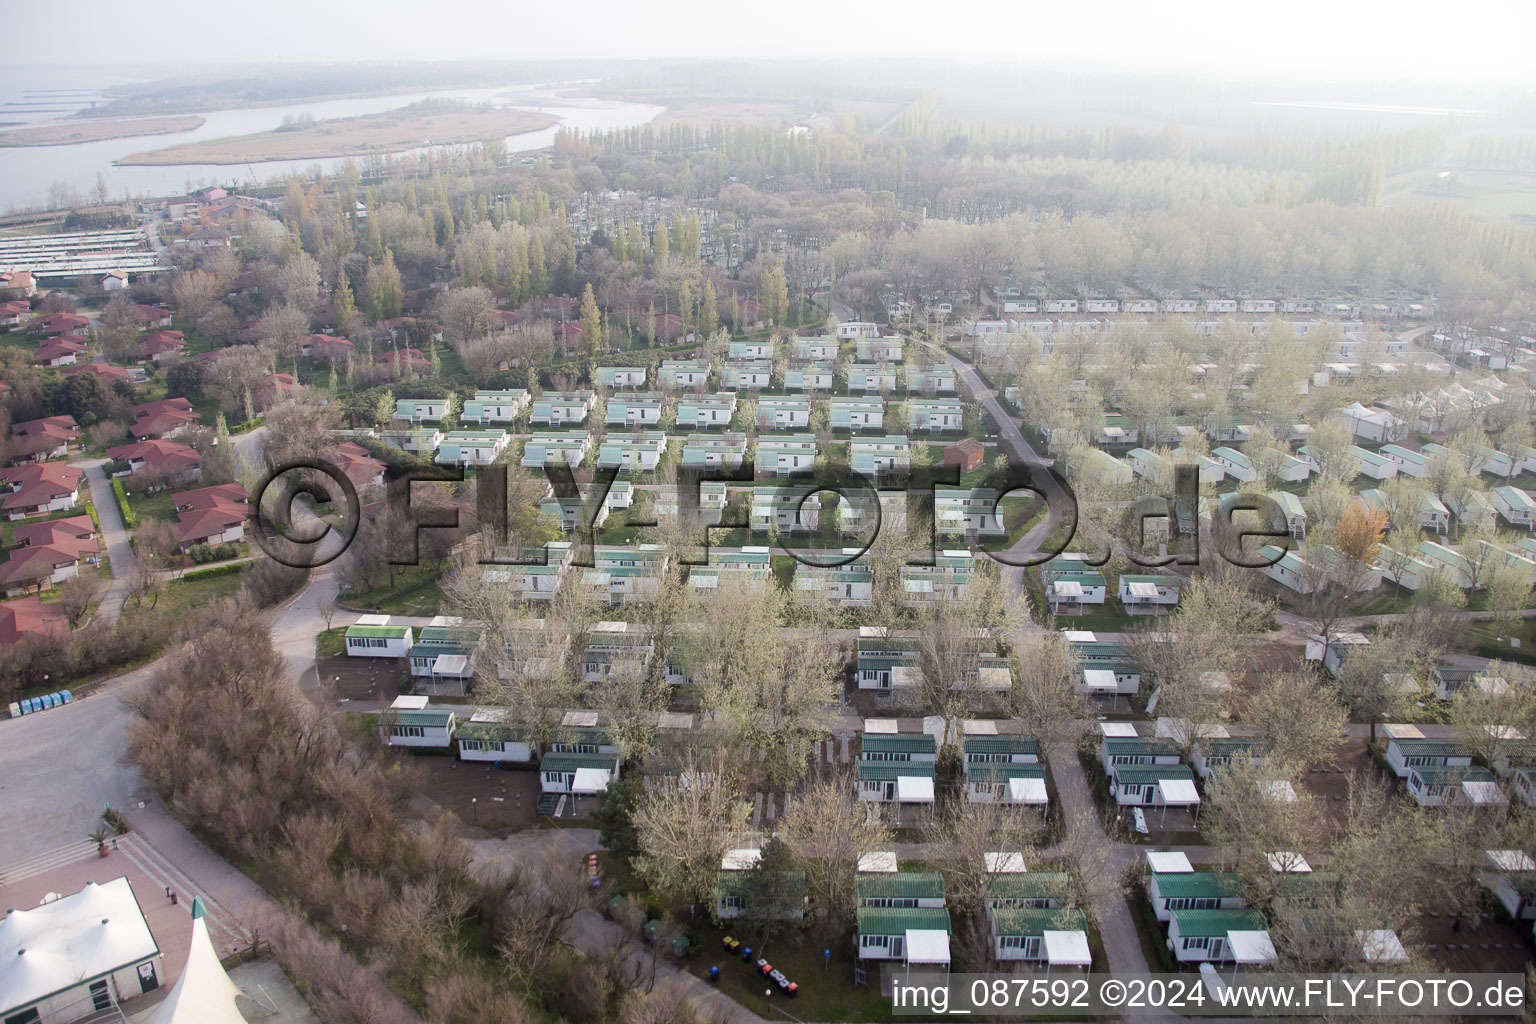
[[591, 321]]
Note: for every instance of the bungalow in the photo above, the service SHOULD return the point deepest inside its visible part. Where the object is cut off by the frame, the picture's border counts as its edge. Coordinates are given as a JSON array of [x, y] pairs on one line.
[[945, 580], [621, 376], [490, 735], [750, 567], [1233, 463], [59, 323], [471, 447], [1160, 785], [569, 447], [1414, 464], [746, 375], [1406, 753], [877, 350], [16, 285], [1478, 509], [494, 407], [160, 345], [1513, 882], [47, 553], [634, 410], [623, 575], [872, 379], [1150, 465], [1370, 464], [1029, 890], [442, 658], [1145, 594], [577, 774], [901, 890], [782, 455], [724, 450], [877, 456], [782, 412], [1194, 890], [632, 452], [42, 439], [700, 412], [1433, 515], [1374, 425], [374, 637], [935, 414], [160, 457], [1220, 936], [558, 408], [856, 413], [210, 515], [1058, 937], [732, 890], [683, 373], [928, 380], [1117, 753], [848, 585], [1443, 559], [1491, 462], [168, 417], [615, 648], [816, 349], [904, 783], [761, 349], [39, 488], [1454, 785], [1515, 506], [1284, 466], [63, 350], [970, 512], [850, 330], [572, 512], [417, 442], [421, 410], [1213, 752], [412, 722], [1403, 569], [1333, 650], [816, 376], [915, 935]]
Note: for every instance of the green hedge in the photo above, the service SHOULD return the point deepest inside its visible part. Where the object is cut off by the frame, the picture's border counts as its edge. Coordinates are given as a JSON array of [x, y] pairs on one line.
[[218, 570], [129, 521]]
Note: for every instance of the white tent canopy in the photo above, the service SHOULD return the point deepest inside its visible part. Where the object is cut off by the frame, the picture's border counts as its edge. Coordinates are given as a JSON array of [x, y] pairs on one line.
[[1067, 949], [590, 780], [1178, 792], [740, 860], [914, 789], [1251, 947], [1288, 862], [927, 946], [1279, 790], [1116, 730], [450, 665], [1483, 794], [203, 994], [1005, 863], [1027, 791], [882, 726]]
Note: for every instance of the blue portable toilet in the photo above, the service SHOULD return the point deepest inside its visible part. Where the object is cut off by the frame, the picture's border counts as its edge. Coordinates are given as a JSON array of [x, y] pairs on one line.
[[67, 696], [48, 700]]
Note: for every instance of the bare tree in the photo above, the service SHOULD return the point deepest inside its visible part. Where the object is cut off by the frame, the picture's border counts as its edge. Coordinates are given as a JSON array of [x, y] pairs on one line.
[[827, 828]]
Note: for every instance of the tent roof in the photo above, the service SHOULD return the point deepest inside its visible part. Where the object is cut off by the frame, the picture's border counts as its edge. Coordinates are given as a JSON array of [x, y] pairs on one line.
[[1027, 791], [1070, 948], [1117, 730], [914, 788], [1178, 791], [1067, 588], [1287, 862], [59, 945], [927, 946], [740, 860], [203, 994]]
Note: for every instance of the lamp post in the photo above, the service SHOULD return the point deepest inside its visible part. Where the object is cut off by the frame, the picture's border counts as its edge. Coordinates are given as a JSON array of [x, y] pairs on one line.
[[474, 809]]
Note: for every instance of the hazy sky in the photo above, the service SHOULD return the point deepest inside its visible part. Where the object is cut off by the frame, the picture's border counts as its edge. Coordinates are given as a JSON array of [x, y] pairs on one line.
[[1468, 42]]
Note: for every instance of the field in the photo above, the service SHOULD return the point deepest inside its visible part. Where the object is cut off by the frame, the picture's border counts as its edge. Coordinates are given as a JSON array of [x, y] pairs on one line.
[[72, 133], [1493, 195], [389, 132]]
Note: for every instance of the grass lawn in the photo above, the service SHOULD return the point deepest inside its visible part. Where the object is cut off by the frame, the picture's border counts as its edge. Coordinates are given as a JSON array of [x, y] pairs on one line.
[[180, 597], [331, 642], [149, 506], [415, 590]]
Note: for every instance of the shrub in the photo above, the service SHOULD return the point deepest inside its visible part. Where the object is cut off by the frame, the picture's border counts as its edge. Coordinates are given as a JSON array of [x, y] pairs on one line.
[[208, 574], [129, 521]]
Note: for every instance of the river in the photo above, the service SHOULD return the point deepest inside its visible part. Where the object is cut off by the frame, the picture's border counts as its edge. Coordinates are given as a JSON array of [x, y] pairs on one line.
[[27, 173]]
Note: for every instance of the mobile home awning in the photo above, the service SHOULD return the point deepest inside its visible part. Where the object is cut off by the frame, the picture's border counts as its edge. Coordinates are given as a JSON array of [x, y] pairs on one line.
[[455, 665], [1251, 947], [1178, 792], [1102, 679], [1381, 945], [1067, 949], [1067, 588], [590, 780], [914, 789], [1142, 589], [927, 946], [1027, 791]]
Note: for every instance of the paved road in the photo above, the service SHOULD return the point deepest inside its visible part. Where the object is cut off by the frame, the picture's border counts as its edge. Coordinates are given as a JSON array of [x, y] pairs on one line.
[[114, 535]]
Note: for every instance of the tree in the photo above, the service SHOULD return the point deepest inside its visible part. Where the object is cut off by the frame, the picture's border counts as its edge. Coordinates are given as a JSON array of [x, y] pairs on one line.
[[465, 313], [382, 292], [591, 322], [1494, 714], [827, 828], [1509, 591], [709, 313], [771, 891], [685, 826], [1357, 537], [1044, 695], [119, 328], [284, 331], [186, 379], [615, 818], [774, 292], [1298, 719], [297, 283], [83, 396]]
